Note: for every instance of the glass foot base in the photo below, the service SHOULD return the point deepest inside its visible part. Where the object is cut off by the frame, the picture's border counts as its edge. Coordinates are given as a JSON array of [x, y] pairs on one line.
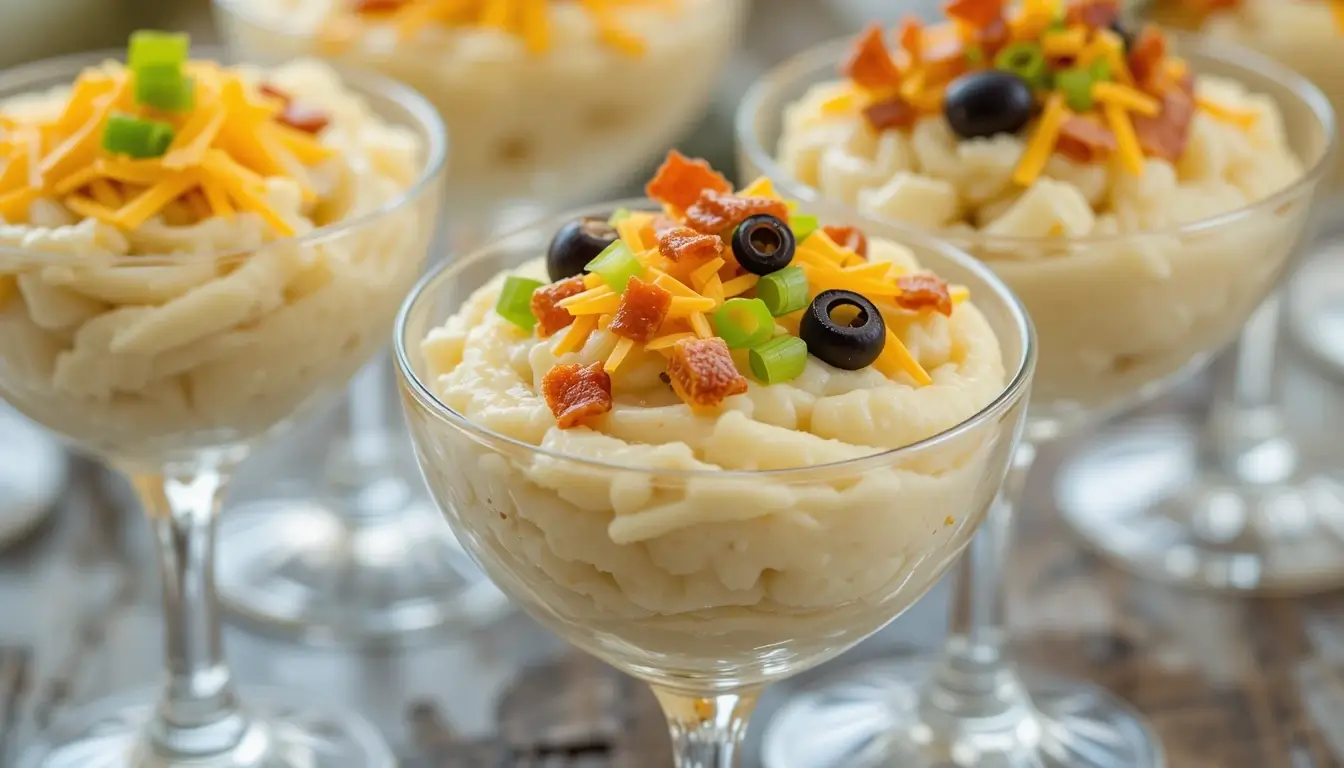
[[1141, 495], [867, 716], [32, 473], [329, 576], [285, 733]]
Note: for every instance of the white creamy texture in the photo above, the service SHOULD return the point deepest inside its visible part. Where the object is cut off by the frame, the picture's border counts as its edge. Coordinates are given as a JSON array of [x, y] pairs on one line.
[[144, 356], [1113, 315], [561, 126], [713, 566]]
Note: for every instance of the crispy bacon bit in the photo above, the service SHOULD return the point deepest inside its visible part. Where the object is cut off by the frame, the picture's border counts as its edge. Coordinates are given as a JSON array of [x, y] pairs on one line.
[[304, 118], [976, 14], [895, 112], [680, 181], [684, 243], [702, 372], [373, 7], [870, 65], [551, 318], [848, 237], [1147, 54], [575, 393], [282, 96], [1165, 135], [923, 292], [1093, 14], [642, 310], [912, 38], [715, 212], [1085, 140]]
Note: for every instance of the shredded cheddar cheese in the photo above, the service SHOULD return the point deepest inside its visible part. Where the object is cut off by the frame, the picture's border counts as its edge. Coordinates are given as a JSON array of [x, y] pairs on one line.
[[223, 149], [1042, 143]]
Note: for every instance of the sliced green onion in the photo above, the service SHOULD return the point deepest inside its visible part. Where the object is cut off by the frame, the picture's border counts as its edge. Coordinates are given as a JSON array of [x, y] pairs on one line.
[[1076, 85], [150, 48], [784, 291], [802, 226], [743, 323], [139, 138], [616, 265], [782, 358], [1027, 61], [617, 216], [164, 87], [515, 301]]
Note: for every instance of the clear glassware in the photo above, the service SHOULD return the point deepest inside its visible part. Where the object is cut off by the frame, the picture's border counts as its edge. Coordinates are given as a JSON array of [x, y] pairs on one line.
[[32, 474], [177, 425], [1108, 328], [682, 606], [528, 134], [1246, 501]]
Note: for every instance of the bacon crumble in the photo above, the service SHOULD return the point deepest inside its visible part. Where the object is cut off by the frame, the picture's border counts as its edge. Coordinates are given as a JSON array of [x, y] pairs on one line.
[[576, 393], [1085, 140], [680, 181], [643, 308], [894, 112], [1165, 135], [923, 291], [717, 212], [683, 244], [551, 318], [702, 372]]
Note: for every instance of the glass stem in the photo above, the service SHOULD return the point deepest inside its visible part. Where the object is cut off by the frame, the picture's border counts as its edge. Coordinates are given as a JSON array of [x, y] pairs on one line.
[[707, 731], [198, 714], [1244, 435], [974, 681], [366, 405]]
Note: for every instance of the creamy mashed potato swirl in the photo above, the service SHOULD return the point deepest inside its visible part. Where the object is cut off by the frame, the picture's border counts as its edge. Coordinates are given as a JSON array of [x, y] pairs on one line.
[[145, 343], [563, 124], [634, 526]]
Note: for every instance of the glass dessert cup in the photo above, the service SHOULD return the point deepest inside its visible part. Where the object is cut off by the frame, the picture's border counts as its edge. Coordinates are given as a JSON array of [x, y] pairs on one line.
[[1111, 336], [683, 603], [32, 474], [604, 119], [192, 387]]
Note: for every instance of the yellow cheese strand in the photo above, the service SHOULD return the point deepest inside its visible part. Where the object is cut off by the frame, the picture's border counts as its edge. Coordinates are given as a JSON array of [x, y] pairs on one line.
[[1126, 141], [1042, 143], [618, 354]]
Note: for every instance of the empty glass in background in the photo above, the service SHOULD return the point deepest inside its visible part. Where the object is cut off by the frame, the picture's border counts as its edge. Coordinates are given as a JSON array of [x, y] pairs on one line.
[[179, 454], [1248, 501], [707, 665], [970, 707], [357, 554]]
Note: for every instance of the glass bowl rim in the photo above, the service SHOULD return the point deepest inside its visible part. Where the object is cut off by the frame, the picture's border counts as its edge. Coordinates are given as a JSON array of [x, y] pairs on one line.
[[1014, 390], [27, 79], [831, 53]]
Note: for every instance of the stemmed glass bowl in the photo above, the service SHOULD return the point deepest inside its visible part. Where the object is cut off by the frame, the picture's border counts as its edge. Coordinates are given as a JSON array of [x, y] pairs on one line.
[[707, 583], [1120, 317], [531, 131], [172, 368]]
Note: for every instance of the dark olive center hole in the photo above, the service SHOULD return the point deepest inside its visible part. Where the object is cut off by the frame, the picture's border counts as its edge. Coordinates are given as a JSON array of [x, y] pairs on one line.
[[765, 240], [848, 315]]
